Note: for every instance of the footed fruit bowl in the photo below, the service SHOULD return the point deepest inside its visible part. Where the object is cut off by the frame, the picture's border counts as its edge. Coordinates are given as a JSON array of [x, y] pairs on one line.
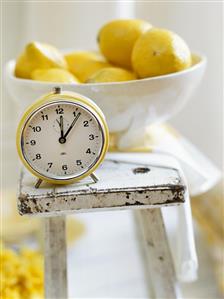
[[129, 106]]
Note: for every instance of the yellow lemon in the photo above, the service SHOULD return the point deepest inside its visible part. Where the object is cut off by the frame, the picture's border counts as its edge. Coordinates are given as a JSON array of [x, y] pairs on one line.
[[23, 67], [84, 64], [38, 55], [111, 74], [117, 38], [45, 55], [159, 52], [54, 75]]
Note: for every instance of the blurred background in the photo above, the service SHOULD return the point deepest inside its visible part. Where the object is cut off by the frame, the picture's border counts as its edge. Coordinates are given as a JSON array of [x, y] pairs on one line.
[[74, 25]]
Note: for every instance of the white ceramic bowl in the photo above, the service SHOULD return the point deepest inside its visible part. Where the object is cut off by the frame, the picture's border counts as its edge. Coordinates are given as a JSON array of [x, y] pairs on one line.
[[128, 106]]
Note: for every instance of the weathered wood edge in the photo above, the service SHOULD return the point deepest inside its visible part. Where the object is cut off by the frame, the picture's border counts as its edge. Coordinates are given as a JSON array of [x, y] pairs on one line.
[[82, 202]]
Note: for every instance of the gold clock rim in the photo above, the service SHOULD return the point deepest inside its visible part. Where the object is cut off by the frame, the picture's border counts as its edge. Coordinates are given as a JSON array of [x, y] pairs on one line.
[[72, 97]]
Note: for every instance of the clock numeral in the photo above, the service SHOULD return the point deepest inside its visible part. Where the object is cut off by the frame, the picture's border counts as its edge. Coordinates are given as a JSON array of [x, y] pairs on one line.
[[86, 123], [49, 165], [88, 151], [75, 113], [44, 117], [32, 142], [59, 110], [38, 156], [36, 129], [91, 137], [64, 167], [78, 162]]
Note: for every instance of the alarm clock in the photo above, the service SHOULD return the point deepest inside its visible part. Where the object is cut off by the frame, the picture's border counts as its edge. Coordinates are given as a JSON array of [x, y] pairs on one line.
[[62, 137]]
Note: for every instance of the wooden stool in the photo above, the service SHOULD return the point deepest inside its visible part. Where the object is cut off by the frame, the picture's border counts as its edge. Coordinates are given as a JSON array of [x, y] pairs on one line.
[[122, 185]]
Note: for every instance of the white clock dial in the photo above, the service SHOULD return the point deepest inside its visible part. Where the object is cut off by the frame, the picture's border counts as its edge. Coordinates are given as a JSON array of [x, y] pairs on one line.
[[62, 140]]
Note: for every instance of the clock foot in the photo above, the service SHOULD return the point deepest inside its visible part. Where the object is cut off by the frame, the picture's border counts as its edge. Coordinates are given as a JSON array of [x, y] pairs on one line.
[[38, 183], [94, 177]]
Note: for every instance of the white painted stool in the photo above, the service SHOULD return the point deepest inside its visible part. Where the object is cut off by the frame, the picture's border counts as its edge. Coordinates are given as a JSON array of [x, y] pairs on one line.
[[122, 185]]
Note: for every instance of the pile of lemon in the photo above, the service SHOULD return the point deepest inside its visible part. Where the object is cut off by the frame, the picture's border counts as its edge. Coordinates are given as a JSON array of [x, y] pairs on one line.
[[129, 50]]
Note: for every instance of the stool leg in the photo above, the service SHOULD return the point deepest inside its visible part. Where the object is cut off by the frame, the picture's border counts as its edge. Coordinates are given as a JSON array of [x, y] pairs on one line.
[[157, 253], [55, 258]]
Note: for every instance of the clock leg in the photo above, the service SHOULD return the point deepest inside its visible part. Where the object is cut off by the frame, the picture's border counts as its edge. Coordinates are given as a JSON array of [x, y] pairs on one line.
[[94, 177], [38, 183]]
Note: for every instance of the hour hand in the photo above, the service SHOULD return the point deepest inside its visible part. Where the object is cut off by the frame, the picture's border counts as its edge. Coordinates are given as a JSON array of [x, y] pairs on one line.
[[61, 124]]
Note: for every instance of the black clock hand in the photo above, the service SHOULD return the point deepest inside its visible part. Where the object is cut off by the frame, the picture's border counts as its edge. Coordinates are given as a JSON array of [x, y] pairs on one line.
[[72, 125], [61, 124]]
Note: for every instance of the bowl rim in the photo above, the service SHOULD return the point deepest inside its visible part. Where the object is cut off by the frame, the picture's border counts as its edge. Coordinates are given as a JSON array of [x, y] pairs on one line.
[[11, 65]]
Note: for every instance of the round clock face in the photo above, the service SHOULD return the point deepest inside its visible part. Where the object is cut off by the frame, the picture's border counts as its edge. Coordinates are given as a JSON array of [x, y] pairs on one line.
[[62, 140]]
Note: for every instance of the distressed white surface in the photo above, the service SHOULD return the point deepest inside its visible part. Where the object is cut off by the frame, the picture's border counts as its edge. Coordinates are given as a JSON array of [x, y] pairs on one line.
[[118, 187]]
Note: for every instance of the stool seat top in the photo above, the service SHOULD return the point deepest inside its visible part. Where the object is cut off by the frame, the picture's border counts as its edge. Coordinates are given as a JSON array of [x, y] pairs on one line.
[[122, 185]]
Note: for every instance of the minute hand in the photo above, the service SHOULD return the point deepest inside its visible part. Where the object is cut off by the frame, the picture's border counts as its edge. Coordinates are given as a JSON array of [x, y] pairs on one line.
[[72, 124]]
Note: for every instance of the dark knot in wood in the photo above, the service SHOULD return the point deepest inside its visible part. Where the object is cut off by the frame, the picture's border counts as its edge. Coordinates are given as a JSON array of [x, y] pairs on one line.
[[141, 170]]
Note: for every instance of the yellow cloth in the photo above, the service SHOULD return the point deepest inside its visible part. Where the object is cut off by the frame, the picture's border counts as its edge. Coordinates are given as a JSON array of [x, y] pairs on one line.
[[208, 211], [21, 274]]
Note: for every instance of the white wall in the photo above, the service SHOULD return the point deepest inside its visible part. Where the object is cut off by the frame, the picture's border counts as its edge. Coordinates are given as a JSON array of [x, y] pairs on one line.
[[74, 25]]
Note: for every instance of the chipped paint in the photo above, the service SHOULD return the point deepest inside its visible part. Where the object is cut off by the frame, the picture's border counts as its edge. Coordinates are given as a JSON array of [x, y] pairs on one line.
[[119, 188]]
